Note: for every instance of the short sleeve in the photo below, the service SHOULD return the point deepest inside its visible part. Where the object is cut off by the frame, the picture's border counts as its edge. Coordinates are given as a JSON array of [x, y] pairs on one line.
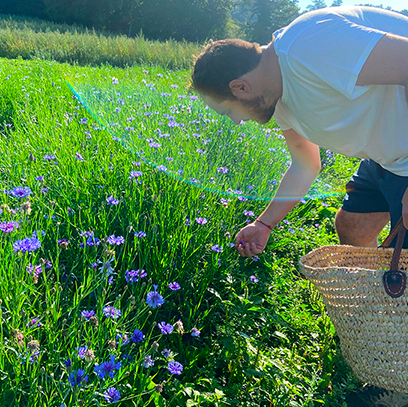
[[332, 52]]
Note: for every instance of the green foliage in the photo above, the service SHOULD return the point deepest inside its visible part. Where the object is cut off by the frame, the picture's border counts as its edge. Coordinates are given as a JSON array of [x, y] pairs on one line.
[[267, 16]]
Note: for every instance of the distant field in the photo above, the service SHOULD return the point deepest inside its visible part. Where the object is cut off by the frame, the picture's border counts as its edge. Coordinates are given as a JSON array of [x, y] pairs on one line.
[[33, 38]]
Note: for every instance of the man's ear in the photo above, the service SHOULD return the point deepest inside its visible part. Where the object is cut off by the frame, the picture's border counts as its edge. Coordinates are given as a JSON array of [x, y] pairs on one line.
[[239, 88]]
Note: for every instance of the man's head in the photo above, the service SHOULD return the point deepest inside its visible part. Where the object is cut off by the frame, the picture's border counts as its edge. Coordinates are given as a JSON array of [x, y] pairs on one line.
[[230, 78]]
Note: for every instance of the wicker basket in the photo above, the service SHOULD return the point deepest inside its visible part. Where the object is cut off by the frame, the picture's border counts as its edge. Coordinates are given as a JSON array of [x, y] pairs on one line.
[[372, 325]]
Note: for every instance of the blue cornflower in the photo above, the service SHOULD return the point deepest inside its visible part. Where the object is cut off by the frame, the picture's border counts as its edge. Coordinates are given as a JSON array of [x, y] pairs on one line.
[[82, 351], [253, 279], [216, 248], [174, 286], [112, 201], [166, 329], [137, 336], [20, 192], [36, 270], [132, 276], [175, 367], [107, 368], [148, 362], [166, 353], [26, 245], [8, 227], [116, 240], [154, 299], [224, 170], [201, 221], [68, 362], [137, 175], [111, 312], [140, 234], [87, 315], [112, 395], [195, 332], [77, 377], [34, 322]]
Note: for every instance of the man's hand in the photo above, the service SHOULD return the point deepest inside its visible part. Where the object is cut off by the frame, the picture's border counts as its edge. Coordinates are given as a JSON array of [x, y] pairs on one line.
[[252, 239], [405, 208]]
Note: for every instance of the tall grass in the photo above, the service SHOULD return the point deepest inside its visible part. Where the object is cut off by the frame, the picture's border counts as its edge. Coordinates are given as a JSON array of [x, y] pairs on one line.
[[30, 39]]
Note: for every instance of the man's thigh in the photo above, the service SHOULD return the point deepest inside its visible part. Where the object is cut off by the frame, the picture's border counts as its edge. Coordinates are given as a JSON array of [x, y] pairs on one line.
[[360, 229], [372, 193]]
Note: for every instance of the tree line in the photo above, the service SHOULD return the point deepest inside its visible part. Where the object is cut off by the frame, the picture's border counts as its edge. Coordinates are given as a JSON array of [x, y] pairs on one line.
[[190, 20]]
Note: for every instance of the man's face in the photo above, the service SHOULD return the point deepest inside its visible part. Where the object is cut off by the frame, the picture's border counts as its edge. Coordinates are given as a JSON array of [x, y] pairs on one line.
[[256, 109]]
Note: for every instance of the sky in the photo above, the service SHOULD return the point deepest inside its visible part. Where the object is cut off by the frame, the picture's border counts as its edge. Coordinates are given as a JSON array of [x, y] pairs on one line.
[[394, 4]]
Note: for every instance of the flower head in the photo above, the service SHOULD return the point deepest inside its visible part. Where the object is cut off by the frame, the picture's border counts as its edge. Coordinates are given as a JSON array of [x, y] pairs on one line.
[[111, 312], [107, 368], [137, 336], [166, 329], [175, 367], [116, 240], [26, 245], [112, 201], [77, 377], [148, 361], [154, 299], [195, 332], [20, 192], [112, 395], [8, 227], [87, 315], [174, 286]]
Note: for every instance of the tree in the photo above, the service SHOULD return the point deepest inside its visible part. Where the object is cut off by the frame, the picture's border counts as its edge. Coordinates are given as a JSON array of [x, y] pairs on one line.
[[267, 16], [317, 4], [33, 8], [192, 20]]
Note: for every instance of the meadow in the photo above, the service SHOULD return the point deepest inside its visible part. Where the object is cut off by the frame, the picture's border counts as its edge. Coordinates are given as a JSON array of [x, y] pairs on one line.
[[120, 285]]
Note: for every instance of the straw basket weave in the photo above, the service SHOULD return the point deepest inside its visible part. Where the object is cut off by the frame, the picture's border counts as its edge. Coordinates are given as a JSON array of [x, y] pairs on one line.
[[372, 325]]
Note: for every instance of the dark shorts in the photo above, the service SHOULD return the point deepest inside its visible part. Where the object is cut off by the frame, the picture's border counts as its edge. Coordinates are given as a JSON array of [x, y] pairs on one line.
[[374, 189]]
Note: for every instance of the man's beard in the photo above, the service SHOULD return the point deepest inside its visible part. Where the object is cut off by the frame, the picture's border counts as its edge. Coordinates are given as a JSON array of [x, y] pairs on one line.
[[261, 109]]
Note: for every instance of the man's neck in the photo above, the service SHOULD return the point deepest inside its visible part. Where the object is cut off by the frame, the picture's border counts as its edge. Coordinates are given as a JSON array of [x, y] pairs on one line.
[[269, 71]]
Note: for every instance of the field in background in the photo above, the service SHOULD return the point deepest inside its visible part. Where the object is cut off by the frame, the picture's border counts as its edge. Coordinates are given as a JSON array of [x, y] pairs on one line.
[[33, 38]]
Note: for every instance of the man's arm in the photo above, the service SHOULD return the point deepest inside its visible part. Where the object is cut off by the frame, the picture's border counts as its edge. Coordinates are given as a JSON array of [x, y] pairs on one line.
[[387, 63], [297, 180]]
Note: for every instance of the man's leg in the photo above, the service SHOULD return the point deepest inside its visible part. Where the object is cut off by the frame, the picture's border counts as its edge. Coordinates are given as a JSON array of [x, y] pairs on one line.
[[365, 210], [360, 229]]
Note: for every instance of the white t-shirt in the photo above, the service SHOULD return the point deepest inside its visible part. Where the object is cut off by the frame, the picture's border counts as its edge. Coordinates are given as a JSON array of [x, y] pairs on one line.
[[321, 54]]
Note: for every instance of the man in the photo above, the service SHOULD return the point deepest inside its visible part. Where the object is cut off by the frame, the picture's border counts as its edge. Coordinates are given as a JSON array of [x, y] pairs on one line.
[[336, 78]]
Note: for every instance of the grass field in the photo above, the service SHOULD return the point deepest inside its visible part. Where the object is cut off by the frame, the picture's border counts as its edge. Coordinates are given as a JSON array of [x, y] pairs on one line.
[[119, 282]]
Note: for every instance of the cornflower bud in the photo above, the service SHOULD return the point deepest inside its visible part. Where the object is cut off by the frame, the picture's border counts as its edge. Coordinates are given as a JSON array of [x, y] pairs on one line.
[[89, 355], [33, 345], [180, 327], [26, 207]]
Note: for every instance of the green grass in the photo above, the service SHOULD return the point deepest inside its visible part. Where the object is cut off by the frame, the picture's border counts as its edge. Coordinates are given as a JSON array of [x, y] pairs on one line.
[[262, 343], [34, 38]]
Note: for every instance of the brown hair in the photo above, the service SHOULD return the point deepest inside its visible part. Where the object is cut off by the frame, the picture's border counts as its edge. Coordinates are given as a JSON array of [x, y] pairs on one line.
[[221, 62]]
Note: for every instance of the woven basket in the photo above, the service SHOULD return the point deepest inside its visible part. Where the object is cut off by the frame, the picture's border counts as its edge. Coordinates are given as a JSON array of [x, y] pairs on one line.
[[372, 325]]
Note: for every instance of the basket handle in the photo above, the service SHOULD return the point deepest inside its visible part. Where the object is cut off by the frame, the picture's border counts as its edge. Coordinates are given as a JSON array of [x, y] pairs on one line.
[[395, 280]]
